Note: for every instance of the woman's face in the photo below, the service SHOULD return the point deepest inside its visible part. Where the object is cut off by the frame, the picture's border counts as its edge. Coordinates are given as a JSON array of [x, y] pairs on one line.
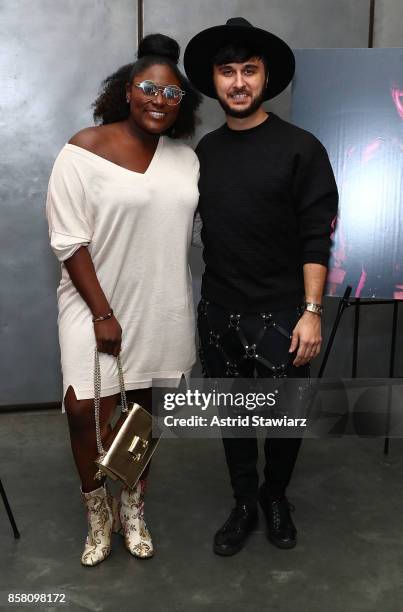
[[152, 113]]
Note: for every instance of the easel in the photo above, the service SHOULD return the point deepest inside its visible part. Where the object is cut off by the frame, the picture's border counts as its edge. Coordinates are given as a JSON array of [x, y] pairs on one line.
[[9, 512], [345, 302]]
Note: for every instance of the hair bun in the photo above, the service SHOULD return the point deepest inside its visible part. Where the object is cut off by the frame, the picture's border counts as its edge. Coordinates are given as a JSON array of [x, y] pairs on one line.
[[161, 45]]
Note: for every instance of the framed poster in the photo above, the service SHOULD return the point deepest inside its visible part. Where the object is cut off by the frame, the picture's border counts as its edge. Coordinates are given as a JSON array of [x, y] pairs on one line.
[[352, 100]]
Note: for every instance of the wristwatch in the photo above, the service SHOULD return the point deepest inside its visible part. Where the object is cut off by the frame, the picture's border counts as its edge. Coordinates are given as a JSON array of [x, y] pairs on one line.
[[312, 307]]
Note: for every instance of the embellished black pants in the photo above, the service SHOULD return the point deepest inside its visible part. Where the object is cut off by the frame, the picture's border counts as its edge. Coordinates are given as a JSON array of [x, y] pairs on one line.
[[235, 344]]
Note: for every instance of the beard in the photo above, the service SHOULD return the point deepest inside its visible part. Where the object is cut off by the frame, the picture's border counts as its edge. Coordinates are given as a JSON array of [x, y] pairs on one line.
[[254, 105]]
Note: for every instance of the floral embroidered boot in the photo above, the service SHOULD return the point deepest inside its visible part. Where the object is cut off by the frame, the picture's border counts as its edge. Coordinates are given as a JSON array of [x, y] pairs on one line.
[[137, 537], [102, 519]]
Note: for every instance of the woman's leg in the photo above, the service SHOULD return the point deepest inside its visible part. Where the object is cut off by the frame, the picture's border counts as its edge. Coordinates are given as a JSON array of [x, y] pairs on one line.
[[102, 509], [141, 397], [137, 396], [81, 420], [137, 537]]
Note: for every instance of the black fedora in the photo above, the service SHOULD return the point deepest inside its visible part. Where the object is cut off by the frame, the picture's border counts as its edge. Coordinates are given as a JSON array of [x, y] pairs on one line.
[[201, 49]]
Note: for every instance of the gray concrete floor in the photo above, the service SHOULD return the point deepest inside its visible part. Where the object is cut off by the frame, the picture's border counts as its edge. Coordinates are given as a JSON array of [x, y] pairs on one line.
[[348, 500]]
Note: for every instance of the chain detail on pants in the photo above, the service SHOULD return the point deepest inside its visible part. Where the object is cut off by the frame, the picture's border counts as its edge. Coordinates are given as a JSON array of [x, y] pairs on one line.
[[243, 345]]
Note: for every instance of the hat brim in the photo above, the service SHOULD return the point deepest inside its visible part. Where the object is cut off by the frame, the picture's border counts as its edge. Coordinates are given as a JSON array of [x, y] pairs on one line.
[[201, 49]]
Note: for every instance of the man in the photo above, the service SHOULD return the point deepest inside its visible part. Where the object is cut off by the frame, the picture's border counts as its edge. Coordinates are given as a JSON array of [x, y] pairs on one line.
[[267, 201]]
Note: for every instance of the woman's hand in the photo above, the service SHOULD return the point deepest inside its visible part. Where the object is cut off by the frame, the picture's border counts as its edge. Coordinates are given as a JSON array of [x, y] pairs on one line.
[[108, 335]]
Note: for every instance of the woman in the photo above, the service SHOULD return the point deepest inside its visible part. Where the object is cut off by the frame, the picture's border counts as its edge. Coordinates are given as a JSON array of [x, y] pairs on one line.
[[120, 208]]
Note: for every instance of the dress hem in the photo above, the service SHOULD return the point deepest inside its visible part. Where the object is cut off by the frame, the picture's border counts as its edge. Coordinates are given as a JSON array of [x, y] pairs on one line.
[[164, 378]]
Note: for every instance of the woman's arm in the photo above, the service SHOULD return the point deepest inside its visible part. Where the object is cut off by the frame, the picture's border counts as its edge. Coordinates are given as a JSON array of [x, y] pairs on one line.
[[70, 231], [108, 333]]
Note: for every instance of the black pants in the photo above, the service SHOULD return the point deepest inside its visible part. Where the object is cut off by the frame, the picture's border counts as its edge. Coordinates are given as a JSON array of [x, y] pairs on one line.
[[251, 345]]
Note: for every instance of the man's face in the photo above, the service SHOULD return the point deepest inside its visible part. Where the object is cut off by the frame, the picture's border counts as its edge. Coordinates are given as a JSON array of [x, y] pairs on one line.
[[240, 86]]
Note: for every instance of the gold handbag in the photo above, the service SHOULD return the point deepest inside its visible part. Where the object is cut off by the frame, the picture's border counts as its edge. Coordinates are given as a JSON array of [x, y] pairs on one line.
[[133, 446]]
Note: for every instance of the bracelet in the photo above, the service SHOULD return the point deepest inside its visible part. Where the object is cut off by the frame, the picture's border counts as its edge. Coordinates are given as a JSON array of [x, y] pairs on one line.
[[107, 316], [315, 308]]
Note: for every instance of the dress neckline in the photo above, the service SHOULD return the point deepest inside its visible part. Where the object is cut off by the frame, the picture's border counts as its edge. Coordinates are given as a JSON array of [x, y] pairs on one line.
[[110, 163]]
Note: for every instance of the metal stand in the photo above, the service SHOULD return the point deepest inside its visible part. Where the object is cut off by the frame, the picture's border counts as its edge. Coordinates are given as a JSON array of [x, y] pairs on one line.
[[346, 302], [9, 512]]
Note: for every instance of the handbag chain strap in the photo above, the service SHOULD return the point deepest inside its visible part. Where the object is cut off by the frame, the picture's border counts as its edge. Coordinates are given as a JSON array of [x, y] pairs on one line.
[[97, 398]]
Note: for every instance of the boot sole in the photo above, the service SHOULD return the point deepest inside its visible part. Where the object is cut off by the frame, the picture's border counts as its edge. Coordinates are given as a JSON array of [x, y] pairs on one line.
[[282, 545], [138, 556], [227, 553]]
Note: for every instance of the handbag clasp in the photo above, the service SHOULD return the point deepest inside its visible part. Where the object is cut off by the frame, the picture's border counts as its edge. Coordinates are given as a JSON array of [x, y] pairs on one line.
[[137, 456]]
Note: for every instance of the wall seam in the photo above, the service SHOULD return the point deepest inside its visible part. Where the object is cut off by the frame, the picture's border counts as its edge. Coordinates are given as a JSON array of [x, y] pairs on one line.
[[371, 24], [140, 21]]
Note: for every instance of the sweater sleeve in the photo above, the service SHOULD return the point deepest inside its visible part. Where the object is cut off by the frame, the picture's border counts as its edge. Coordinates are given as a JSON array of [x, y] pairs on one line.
[[66, 210], [316, 204]]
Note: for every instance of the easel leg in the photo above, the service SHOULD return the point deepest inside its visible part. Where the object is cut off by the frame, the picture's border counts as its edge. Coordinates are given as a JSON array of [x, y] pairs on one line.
[[9, 512], [391, 371], [344, 302], [355, 338]]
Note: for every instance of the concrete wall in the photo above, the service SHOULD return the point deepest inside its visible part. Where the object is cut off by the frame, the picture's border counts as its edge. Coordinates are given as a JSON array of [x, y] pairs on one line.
[[53, 56], [388, 23]]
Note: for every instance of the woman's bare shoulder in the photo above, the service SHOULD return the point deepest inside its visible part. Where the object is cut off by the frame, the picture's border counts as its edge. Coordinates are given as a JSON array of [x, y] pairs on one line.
[[91, 138]]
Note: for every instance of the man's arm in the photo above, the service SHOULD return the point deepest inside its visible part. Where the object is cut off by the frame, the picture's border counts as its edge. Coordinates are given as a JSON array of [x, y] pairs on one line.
[[317, 197], [307, 335], [314, 282]]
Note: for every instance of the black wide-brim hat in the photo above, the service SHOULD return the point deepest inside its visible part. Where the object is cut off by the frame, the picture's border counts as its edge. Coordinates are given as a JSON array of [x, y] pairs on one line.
[[201, 49]]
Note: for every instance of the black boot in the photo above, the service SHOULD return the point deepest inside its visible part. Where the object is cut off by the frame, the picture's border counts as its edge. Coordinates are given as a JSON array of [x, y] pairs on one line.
[[281, 530], [232, 536]]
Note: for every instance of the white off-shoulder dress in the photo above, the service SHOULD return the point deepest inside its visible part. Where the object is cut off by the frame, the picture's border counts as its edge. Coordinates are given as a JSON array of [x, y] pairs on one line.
[[138, 229]]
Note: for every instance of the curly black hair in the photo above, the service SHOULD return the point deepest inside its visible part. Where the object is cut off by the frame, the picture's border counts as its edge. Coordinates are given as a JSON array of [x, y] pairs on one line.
[[111, 106]]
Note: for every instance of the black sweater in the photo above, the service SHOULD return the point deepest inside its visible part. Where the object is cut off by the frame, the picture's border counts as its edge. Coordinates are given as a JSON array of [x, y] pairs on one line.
[[267, 200]]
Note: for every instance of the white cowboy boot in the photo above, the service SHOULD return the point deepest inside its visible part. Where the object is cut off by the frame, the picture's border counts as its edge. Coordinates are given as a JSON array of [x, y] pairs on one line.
[[137, 537], [102, 517]]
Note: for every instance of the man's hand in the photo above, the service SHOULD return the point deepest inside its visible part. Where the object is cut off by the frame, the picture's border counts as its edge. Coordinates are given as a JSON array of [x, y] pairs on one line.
[[306, 336]]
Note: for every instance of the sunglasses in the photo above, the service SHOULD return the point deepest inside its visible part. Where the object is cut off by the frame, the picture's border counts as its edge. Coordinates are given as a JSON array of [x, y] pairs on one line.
[[171, 93]]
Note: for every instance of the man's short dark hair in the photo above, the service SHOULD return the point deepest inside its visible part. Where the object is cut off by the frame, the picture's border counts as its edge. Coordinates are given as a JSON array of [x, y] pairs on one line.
[[238, 53]]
